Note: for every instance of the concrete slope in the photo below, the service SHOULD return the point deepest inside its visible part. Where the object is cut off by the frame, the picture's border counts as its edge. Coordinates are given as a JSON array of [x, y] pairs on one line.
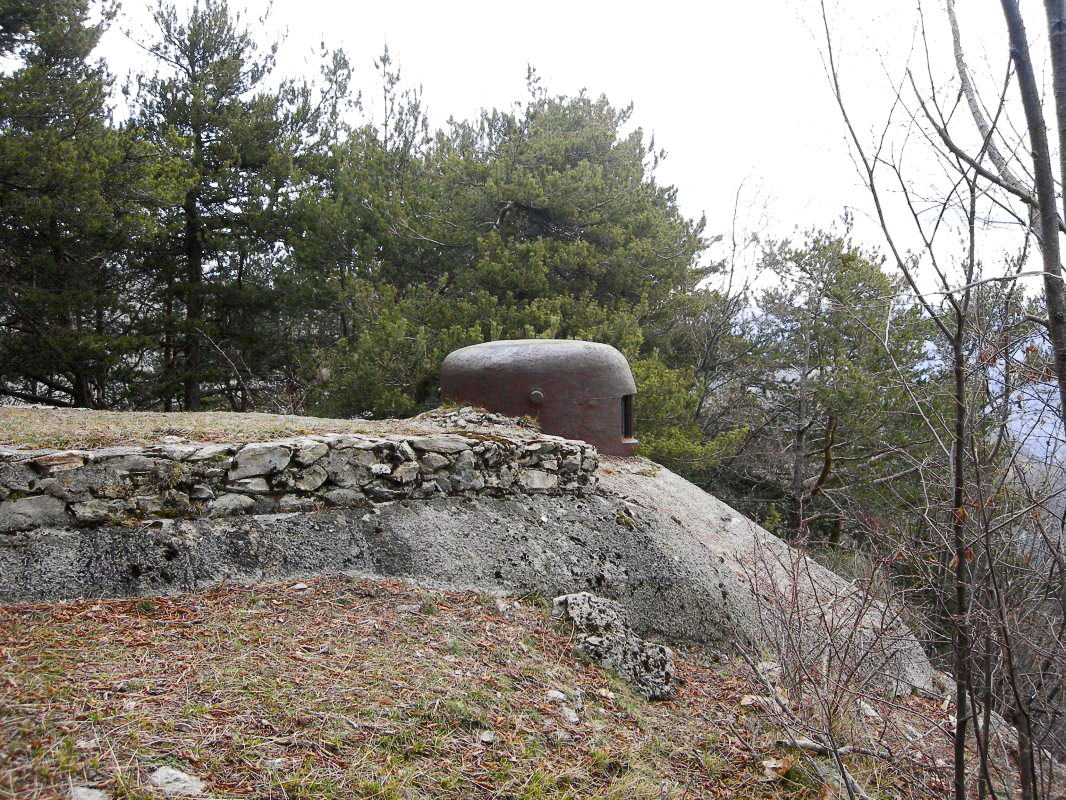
[[794, 608]]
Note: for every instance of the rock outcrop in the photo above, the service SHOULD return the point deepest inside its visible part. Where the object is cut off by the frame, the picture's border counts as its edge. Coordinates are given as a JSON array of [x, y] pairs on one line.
[[603, 634]]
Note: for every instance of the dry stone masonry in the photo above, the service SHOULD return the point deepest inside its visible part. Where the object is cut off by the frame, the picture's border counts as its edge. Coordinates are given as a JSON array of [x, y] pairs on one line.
[[126, 485]]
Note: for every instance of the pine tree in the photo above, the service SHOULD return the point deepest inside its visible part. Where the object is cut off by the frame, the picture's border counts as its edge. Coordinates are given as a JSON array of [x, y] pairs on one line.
[[242, 143], [74, 194]]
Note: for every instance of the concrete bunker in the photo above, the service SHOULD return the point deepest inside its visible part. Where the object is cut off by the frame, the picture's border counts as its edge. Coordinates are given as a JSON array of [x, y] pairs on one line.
[[575, 389]]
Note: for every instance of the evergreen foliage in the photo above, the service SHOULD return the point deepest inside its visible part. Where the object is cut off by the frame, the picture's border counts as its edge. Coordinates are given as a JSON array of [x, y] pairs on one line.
[[243, 243], [75, 193]]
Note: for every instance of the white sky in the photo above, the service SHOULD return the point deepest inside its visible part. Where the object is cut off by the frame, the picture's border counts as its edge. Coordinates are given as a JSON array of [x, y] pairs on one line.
[[735, 92]]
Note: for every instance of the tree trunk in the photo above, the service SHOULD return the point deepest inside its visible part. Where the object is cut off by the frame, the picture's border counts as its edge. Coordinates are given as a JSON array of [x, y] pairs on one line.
[[80, 393], [1042, 169], [1053, 288], [799, 472], [797, 482], [960, 628], [194, 309]]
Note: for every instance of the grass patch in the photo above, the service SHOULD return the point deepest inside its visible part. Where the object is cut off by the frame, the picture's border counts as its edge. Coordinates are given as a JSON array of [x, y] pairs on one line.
[[333, 694], [63, 428]]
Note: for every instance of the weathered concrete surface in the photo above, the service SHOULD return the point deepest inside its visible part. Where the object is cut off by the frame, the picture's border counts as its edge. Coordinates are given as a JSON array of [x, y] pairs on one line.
[[551, 545], [785, 588], [678, 560], [602, 632]]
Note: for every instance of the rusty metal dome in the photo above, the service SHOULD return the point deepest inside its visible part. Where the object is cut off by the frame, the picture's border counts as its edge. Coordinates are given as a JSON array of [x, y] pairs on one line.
[[579, 390]]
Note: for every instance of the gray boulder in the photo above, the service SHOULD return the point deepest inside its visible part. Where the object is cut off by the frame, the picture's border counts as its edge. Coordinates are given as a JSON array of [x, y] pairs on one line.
[[259, 458], [231, 504], [32, 512], [603, 634]]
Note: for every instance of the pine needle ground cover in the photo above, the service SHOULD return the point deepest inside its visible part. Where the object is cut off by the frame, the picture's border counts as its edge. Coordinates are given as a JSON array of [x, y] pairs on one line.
[[348, 688]]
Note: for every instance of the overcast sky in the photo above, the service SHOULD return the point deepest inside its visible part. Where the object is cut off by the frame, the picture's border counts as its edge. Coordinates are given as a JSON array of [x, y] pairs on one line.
[[735, 92]]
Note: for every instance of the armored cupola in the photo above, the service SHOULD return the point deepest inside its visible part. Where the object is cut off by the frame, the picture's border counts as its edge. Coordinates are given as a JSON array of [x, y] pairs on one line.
[[579, 390]]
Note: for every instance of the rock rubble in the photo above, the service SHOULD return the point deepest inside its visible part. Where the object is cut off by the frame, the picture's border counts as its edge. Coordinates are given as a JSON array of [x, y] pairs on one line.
[[603, 634], [128, 485]]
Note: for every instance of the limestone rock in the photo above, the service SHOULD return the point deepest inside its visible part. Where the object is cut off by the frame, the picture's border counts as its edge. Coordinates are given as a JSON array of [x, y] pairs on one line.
[[431, 462], [212, 452], [85, 793], [344, 470], [467, 480], [442, 444], [60, 489], [310, 479], [308, 451], [175, 451], [343, 441], [16, 477], [363, 456], [259, 458], [405, 472], [265, 504], [294, 502], [537, 480], [489, 453], [172, 781], [257, 485], [148, 505], [104, 453], [201, 491], [228, 504], [505, 476], [569, 714], [59, 461], [346, 498], [570, 463], [91, 511], [99, 480], [382, 491], [426, 489], [604, 635], [41, 511], [128, 463], [177, 502]]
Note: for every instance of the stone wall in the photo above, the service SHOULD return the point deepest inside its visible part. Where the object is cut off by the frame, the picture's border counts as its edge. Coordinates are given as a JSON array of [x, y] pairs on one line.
[[127, 485]]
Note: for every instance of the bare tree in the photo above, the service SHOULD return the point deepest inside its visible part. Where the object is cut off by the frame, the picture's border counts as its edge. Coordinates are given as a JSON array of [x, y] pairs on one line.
[[1043, 172], [992, 600]]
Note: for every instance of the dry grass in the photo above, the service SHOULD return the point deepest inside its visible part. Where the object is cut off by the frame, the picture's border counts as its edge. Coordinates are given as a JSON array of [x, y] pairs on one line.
[[32, 428], [84, 429], [76, 428], [361, 689]]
